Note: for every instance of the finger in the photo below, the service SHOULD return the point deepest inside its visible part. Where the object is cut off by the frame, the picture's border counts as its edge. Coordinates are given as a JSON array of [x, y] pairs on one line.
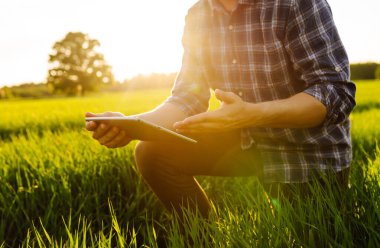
[[203, 127], [195, 119], [91, 125], [227, 97], [108, 113], [104, 114], [119, 141], [109, 136], [100, 131], [90, 114]]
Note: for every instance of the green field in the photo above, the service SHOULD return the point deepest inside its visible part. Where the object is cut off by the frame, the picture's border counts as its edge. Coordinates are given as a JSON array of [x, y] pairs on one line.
[[60, 188]]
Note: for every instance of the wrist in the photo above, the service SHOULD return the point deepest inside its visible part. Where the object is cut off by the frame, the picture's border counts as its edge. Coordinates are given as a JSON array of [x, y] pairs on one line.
[[253, 113]]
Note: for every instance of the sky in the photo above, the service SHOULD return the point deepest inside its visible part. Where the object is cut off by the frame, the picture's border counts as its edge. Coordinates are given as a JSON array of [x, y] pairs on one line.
[[138, 37]]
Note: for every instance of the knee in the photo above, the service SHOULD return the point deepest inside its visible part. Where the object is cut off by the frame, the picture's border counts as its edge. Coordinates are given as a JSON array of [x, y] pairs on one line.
[[145, 154]]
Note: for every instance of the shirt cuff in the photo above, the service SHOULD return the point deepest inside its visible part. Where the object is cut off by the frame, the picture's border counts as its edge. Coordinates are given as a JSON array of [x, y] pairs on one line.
[[189, 104], [327, 95]]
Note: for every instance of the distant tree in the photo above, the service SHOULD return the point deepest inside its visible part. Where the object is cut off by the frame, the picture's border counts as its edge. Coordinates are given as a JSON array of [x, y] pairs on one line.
[[76, 66], [5, 93], [363, 71], [31, 90], [154, 80], [378, 72]]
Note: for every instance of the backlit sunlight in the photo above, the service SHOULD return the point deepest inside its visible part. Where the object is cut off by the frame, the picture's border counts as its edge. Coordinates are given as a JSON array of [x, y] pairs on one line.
[[137, 37]]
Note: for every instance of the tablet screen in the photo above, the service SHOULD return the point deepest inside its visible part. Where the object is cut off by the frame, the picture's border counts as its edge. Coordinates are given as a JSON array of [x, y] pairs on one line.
[[139, 129]]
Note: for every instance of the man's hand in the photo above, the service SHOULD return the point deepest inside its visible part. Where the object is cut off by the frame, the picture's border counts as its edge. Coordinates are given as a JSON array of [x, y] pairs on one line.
[[299, 111], [111, 137], [231, 115]]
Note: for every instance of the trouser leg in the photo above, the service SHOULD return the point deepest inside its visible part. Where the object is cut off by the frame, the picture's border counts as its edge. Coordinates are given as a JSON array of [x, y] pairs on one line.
[[173, 187], [169, 168]]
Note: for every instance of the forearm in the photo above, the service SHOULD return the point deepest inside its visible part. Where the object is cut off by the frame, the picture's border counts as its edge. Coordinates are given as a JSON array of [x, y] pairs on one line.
[[164, 115], [298, 111]]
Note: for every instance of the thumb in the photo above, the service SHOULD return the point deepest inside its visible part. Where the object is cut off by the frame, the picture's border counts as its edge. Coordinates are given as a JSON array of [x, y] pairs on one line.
[[105, 114], [227, 97], [89, 114]]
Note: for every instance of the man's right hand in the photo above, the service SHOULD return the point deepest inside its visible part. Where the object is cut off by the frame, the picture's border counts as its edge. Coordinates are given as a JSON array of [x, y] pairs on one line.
[[111, 137]]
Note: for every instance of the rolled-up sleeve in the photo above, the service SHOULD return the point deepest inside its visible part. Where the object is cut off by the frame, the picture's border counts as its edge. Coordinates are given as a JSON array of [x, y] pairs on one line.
[[191, 91], [319, 58]]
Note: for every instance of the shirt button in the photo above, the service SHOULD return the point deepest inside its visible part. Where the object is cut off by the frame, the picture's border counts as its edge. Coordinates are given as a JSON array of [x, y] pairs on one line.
[[338, 69], [230, 27], [234, 61]]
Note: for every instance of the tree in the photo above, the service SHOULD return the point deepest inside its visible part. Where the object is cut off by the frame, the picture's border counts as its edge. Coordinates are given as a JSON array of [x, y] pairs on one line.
[[76, 66], [378, 72], [5, 93], [363, 71]]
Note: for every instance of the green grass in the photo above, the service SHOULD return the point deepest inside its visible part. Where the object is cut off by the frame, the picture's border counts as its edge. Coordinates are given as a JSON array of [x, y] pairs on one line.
[[22, 116], [59, 188]]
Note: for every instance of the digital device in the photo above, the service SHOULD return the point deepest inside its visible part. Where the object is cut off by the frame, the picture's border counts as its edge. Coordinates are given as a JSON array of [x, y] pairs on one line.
[[140, 129]]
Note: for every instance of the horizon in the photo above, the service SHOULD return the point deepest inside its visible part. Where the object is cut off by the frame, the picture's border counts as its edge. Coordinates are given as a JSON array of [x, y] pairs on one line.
[[31, 29]]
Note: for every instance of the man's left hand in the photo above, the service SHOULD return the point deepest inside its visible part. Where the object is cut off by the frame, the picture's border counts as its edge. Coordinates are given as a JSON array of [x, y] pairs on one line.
[[232, 114]]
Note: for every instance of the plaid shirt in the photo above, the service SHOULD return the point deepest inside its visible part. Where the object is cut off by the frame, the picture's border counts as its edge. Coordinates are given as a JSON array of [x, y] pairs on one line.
[[267, 50]]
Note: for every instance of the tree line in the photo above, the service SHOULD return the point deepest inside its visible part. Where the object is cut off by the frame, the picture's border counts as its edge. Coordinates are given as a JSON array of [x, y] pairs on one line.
[[76, 67], [365, 71], [44, 90]]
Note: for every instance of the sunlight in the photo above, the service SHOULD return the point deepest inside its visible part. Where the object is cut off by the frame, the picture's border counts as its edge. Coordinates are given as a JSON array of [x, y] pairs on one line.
[[140, 40], [136, 37]]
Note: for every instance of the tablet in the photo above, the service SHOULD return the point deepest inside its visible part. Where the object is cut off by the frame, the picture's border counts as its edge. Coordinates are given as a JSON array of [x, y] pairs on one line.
[[139, 129]]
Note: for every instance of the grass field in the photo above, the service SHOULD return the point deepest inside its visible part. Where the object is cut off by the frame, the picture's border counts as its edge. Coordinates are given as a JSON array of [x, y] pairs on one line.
[[59, 188]]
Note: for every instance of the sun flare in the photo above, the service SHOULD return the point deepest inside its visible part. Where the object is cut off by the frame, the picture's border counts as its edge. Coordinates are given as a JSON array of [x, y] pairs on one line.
[[137, 37]]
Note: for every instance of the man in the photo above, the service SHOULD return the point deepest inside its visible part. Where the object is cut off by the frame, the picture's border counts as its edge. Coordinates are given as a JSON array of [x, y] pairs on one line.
[[282, 75]]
